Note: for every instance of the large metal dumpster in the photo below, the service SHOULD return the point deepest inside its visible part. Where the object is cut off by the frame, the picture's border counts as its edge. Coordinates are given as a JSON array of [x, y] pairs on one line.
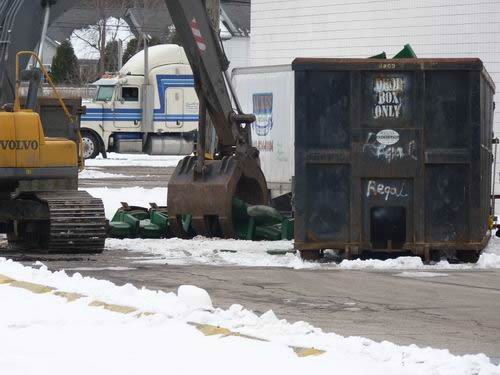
[[393, 155]]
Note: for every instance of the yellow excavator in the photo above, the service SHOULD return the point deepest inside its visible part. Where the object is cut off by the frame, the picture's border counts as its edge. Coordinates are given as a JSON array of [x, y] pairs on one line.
[[41, 207]]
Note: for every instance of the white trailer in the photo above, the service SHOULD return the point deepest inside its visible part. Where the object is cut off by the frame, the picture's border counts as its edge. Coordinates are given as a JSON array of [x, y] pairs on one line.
[[150, 106], [269, 93]]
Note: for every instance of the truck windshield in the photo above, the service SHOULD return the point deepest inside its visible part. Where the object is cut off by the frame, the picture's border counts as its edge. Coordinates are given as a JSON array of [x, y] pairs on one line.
[[105, 93]]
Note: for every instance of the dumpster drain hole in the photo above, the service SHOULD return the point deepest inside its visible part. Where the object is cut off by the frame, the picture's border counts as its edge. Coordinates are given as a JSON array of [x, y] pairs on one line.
[[388, 227]]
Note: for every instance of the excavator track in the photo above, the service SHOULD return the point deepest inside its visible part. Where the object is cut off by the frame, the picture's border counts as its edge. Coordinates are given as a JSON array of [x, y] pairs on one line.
[[76, 224]]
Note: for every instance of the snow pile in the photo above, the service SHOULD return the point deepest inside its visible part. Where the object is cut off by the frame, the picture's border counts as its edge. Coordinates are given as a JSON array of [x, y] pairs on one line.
[[134, 196], [194, 297], [134, 160], [401, 263], [36, 330], [490, 258], [89, 174], [218, 252], [221, 252]]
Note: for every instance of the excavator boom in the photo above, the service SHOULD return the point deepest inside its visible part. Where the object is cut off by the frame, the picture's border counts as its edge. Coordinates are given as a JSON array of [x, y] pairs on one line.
[[207, 60], [15, 35]]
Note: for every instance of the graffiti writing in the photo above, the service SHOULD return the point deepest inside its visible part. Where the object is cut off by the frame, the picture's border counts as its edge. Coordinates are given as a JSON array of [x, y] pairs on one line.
[[389, 153], [386, 190]]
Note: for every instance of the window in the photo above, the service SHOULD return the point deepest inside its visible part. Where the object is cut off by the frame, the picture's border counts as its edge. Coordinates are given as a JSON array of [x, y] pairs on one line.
[[130, 94], [105, 93]]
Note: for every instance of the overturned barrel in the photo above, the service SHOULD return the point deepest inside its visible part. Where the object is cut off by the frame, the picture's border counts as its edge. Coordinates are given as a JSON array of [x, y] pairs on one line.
[[393, 156]]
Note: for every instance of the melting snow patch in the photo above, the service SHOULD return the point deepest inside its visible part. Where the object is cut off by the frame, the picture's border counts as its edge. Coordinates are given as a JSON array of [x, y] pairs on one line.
[[89, 174], [152, 335], [134, 196], [134, 160], [421, 274], [222, 252], [215, 252], [409, 263]]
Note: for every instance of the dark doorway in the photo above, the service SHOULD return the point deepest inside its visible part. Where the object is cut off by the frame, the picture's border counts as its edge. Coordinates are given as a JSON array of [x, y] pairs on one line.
[[388, 227]]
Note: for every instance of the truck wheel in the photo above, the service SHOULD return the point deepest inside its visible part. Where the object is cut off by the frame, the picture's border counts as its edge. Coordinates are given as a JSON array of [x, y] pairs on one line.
[[90, 145]]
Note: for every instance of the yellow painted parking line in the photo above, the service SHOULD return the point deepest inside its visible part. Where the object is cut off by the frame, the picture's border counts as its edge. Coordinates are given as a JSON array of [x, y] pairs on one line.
[[145, 314], [307, 352], [115, 308], [5, 280], [34, 288], [206, 329], [209, 330], [70, 297]]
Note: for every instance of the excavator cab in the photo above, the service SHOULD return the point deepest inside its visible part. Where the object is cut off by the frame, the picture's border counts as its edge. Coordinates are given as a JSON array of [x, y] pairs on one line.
[[25, 149]]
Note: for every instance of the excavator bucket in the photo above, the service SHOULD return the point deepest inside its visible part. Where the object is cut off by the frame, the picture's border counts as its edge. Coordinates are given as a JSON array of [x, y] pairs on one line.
[[208, 196]]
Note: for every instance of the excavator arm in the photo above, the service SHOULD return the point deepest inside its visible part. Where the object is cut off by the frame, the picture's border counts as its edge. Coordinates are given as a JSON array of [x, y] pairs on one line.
[[209, 65], [207, 60]]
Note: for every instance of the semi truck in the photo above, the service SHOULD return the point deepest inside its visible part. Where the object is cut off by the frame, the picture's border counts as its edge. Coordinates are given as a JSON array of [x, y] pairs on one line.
[[149, 106]]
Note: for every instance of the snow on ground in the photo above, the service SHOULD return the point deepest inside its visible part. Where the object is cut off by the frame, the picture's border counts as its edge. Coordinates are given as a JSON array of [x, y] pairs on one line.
[[221, 252], [88, 174], [44, 333], [134, 196], [215, 252], [136, 160]]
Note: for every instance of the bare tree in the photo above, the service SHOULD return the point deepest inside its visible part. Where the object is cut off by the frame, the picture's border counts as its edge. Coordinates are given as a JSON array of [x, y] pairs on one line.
[[145, 19], [106, 29]]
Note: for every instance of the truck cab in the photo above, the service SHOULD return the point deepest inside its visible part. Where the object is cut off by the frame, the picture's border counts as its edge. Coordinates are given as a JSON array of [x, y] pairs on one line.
[[144, 109]]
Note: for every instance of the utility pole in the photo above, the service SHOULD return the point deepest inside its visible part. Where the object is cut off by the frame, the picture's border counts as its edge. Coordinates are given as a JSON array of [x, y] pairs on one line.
[[120, 54]]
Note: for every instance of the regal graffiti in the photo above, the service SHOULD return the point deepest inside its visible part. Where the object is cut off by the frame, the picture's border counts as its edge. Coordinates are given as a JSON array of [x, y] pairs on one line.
[[399, 150], [386, 190]]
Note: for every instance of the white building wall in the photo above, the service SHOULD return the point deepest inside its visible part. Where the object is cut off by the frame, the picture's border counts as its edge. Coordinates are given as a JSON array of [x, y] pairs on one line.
[[285, 29], [237, 51]]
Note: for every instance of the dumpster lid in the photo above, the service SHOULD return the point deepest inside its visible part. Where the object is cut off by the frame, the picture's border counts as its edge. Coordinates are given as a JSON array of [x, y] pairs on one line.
[[387, 64], [348, 64]]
